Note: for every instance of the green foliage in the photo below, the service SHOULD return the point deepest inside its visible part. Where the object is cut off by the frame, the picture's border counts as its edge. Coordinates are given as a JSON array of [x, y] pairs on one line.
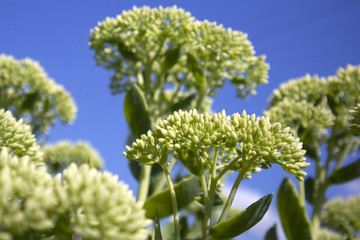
[[59, 156], [28, 93], [253, 139], [322, 113], [136, 111], [160, 203], [346, 174], [355, 122], [162, 47], [245, 220], [271, 233], [292, 213], [343, 216], [17, 137], [325, 234]]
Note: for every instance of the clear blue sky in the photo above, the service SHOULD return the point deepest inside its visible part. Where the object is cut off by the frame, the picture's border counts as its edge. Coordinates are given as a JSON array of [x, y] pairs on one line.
[[298, 37]]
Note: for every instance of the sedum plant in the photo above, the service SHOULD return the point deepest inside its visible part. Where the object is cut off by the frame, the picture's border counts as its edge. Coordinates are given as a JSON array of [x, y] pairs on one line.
[[175, 60], [81, 203], [209, 146], [320, 112], [58, 156], [27, 91], [343, 216]]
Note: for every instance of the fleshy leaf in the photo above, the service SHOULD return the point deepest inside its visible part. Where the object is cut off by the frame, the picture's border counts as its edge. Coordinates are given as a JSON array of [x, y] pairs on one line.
[[172, 55], [216, 202], [271, 233], [289, 205], [245, 220], [194, 67], [345, 174], [309, 190], [184, 104], [185, 190], [136, 111], [157, 227]]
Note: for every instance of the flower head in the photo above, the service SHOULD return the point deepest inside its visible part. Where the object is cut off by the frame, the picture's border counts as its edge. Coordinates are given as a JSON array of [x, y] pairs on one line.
[[29, 93], [170, 42], [57, 157], [17, 137], [98, 205], [27, 201], [193, 137]]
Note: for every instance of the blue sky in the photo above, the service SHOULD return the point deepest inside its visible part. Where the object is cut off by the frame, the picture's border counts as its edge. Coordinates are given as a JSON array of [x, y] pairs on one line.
[[298, 37]]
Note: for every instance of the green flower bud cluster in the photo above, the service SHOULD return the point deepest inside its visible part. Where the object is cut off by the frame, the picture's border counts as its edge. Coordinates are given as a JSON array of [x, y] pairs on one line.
[[340, 92], [344, 92], [326, 234], [308, 88], [28, 93], [98, 206], [193, 137], [312, 105], [27, 200], [170, 41], [80, 203], [355, 122], [301, 114], [17, 137], [342, 216], [57, 157]]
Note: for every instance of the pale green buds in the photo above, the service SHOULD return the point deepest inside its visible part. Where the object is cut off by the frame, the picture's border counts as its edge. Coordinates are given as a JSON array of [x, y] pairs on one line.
[[30, 94], [355, 121], [196, 53], [17, 137], [82, 202], [255, 139], [58, 157]]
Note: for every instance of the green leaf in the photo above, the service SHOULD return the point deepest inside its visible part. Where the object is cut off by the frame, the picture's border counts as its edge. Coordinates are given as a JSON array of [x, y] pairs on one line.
[[127, 53], [271, 233], [309, 190], [185, 190], [266, 165], [172, 55], [189, 159], [194, 67], [238, 80], [246, 219], [184, 104], [157, 227], [217, 199], [345, 174], [292, 213], [30, 100], [136, 111]]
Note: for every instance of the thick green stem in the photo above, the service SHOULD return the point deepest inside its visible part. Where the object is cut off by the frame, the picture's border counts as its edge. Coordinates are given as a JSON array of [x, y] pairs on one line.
[[302, 192], [206, 222], [209, 195], [173, 202], [144, 183], [231, 197], [319, 197]]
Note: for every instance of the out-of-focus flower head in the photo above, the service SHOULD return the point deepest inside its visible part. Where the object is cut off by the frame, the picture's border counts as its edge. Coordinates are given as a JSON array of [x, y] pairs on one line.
[[27, 201], [58, 156], [30, 94], [98, 206], [17, 137]]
